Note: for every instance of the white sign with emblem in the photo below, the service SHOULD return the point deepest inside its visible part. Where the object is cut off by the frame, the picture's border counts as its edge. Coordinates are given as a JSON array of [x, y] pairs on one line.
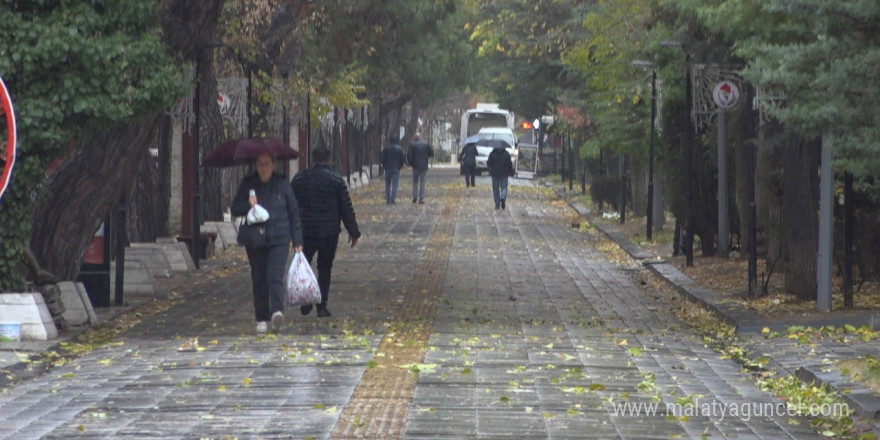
[[725, 94]]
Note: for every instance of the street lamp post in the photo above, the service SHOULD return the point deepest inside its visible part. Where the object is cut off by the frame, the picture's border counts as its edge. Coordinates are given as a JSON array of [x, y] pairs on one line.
[[649, 233], [689, 147], [650, 213]]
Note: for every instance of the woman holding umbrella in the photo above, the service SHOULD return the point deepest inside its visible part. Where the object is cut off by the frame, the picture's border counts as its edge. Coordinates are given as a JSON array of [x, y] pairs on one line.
[[468, 160], [272, 192]]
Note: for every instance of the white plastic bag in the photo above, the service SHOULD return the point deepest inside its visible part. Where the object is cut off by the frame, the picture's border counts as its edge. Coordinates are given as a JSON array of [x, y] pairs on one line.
[[257, 214], [302, 286]]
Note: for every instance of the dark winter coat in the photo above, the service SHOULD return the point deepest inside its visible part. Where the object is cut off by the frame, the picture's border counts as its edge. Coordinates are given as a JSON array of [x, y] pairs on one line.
[[419, 153], [277, 198], [323, 202], [393, 157], [468, 155], [499, 163]]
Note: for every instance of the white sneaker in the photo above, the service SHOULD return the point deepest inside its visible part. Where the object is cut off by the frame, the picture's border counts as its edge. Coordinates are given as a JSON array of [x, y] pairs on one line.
[[262, 327], [277, 320]]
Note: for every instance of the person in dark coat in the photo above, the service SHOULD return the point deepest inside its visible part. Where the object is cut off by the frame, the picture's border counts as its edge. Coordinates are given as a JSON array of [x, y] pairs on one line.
[[393, 159], [417, 157], [273, 193], [324, 202], [500, 167], [468, 159]]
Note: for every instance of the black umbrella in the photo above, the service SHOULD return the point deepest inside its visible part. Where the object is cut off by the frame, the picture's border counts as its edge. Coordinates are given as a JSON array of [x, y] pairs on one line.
[[494, 143]]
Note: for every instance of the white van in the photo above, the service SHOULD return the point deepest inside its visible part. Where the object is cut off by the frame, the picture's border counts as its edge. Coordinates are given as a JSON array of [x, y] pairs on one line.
[[502, 133]]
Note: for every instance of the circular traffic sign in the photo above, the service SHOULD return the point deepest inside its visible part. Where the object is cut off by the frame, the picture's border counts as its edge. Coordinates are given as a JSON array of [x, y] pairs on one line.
[[7, 145], [725, 94]]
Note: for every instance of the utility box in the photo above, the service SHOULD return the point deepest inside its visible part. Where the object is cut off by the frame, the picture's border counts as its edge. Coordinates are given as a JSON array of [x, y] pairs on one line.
[[94, 272]]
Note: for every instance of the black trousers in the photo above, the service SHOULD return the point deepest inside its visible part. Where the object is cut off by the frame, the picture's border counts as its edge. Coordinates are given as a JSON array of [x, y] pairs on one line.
[[470, 172], [325, 247], [267, 275]]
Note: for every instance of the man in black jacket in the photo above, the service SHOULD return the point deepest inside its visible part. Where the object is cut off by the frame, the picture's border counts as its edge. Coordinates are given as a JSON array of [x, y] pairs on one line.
[[323, 203], [500, 168], [468, 159], [417, 157], [393, 159]]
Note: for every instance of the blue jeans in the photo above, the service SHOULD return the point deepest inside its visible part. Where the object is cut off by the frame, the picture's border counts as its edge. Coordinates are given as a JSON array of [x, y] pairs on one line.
[[325, 247], [499, 189], [419, 177], [392, 177]]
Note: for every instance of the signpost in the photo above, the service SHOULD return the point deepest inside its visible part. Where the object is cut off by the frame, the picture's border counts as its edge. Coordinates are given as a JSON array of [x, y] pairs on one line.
[[726, 95], [527, 161], [7, 145]]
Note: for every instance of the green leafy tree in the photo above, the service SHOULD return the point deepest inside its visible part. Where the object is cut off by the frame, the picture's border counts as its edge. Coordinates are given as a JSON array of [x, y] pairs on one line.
[[523, 45], [403, 50], [813, 63], [74, 68]]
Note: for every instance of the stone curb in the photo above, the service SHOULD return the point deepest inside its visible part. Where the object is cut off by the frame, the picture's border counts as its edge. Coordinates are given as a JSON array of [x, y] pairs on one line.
[[865, 403], [743, 320]]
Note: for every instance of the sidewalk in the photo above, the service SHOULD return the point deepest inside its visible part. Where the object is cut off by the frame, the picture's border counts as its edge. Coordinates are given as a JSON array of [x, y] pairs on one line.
[[450, 320], [787, 356]]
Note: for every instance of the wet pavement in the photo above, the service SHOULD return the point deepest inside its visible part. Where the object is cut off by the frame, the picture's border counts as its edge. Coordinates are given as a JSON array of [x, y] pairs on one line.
[[451, 320]]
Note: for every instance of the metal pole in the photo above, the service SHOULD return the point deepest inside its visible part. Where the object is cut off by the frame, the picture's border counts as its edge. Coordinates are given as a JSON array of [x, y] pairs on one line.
[[723, 229], [826, 219], [571, 168], [121, 239], [752, 206], [562, 171], [689, 151], [848, 224], [363, 142], [250, 91], [196, 232], [601, 174], [379, 126], [308, 127], [650, 214], [623, 190]]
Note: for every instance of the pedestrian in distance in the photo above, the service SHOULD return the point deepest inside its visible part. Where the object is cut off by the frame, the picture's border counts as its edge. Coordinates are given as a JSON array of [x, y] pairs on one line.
[[417, 158], [269, 191], [393, 159], [468, 159], [324, 202], [500, 167]]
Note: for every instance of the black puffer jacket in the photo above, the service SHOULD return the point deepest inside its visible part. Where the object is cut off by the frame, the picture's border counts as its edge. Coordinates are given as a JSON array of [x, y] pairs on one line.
[[419, 153], [277, 198], [499, 162], [323, 202]]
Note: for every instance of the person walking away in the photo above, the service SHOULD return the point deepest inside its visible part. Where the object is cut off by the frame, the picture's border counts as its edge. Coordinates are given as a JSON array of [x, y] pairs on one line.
[[417, 158], [324, 202], [270, 191], [393, 159], [500, 168], [468, 159]]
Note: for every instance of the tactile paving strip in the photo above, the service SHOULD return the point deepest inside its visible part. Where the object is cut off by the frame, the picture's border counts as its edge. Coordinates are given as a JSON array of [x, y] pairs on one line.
[[380, 403]]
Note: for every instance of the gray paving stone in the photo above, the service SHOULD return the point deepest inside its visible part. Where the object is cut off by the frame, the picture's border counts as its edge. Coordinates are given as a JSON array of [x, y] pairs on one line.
[[548, 364]]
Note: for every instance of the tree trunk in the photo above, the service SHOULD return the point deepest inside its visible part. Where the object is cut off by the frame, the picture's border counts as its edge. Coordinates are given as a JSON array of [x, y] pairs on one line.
[[800, 206], [143, 205], [190, 30], [768, 198], [83, 190], [210, 135], [412, 124]]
